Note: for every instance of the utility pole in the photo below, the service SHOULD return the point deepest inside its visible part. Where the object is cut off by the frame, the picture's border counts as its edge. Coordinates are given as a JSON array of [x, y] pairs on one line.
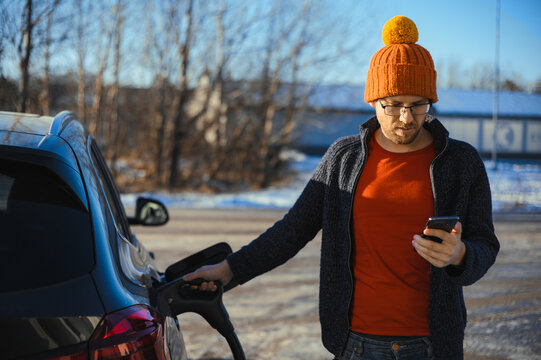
[[495, 101]]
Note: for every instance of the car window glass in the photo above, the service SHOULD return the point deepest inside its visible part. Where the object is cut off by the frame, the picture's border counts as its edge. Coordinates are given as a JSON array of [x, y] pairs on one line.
[[109, 188], [46, 233]]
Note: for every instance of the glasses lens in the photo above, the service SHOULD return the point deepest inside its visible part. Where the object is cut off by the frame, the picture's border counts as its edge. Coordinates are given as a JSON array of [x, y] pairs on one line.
[[420, 109], [393, 110]]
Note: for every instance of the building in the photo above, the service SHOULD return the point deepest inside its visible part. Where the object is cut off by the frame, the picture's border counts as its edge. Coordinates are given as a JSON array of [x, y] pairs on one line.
[[336, 111]]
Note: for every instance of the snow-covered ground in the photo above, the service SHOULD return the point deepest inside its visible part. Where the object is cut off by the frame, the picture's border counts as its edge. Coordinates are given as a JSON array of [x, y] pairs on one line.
[[515, 184]]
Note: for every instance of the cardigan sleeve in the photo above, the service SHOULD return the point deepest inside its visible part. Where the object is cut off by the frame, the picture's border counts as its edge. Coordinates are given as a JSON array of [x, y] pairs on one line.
[[287, 236], [478, 236]]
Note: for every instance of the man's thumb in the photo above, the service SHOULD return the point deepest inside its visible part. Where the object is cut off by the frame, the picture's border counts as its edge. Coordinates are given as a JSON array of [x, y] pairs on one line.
[[458, 228]]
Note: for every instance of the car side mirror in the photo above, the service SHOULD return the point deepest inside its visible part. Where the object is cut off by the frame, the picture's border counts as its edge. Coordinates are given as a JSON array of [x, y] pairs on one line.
[[149, 212]]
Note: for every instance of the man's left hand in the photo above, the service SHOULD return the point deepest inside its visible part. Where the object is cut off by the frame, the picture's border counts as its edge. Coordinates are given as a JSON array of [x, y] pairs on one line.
[[451, 251]]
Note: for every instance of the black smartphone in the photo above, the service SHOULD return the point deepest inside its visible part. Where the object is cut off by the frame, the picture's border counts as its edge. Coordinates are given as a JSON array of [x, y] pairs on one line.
[[446, 223]]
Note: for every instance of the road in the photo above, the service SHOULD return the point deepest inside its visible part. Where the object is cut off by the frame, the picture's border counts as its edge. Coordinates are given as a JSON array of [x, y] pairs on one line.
[[276, 315]]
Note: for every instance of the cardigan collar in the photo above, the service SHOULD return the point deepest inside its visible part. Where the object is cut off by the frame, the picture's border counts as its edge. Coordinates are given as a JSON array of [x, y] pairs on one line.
[[436, 128]]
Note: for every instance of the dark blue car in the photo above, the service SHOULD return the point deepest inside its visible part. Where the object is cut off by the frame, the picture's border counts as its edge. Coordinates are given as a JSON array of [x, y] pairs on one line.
[[76, 283]]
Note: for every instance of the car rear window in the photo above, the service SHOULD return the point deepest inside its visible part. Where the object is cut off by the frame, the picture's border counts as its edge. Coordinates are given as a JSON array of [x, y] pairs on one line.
[[45, 230]]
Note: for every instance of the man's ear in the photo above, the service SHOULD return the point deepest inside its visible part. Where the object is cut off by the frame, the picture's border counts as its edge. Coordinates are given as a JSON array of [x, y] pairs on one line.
[[372, 103]]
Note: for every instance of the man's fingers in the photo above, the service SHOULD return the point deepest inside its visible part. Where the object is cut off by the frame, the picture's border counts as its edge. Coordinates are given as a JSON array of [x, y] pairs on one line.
[[201, 273], [444, 235], [439, 255], [426, 243], [205, 286], [221, 272], [434, 257], [441, 234], [428, 247]]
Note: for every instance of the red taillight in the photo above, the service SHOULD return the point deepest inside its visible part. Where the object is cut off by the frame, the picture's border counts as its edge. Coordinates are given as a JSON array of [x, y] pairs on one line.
[[133, 333]]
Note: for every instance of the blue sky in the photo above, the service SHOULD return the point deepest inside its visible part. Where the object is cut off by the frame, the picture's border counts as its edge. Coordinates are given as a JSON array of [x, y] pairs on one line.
[[464, 31], [459, 32]]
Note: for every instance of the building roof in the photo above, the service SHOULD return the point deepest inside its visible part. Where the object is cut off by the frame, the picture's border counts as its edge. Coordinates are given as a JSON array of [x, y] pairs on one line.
[[451, 101], [480, 102], [338, 97]]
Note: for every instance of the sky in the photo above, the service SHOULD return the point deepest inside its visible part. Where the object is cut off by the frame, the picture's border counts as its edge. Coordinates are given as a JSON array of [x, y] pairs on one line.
[[464, 31], [459, 32]]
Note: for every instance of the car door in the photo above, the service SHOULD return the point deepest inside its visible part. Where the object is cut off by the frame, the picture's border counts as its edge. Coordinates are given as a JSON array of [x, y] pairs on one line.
[[169, 295], [136, 262]]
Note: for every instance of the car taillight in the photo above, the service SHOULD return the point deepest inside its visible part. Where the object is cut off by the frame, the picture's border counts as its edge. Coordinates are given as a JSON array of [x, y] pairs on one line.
[[133, 333]]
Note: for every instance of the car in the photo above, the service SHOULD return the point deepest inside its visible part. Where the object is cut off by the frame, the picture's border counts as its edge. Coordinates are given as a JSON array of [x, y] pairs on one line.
[[76, 282]]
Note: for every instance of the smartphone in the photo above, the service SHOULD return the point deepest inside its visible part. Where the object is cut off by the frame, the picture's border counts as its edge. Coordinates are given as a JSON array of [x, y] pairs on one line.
[[446, 223]]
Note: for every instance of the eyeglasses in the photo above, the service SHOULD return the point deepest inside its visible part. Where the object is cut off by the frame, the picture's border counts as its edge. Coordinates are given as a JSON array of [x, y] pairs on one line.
[[395, 110]]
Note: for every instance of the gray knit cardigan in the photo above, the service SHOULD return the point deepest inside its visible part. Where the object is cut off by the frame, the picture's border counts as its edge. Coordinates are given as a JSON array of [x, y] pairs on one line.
[[460, 187]]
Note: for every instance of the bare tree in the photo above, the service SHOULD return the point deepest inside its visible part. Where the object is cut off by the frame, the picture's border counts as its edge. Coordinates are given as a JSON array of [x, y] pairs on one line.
[[114, 116], [211, 118], [252, 60], [51, 36], [242, 134], [5, 22], [83, 9], [103, 41], [157, 60], [179, 131], [45, 98], [478, 76], [23, 35], [284, 48], [25, 48]]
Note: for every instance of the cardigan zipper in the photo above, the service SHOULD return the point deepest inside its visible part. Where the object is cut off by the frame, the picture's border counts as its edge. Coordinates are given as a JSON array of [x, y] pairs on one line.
[[436, 212], [364, 147]]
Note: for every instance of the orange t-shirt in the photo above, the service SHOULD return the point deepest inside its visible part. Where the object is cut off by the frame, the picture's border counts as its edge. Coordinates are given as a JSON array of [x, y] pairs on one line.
[[392, 202]]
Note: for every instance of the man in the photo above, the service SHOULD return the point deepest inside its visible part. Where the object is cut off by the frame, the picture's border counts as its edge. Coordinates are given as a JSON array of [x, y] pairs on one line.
[[386, 292]]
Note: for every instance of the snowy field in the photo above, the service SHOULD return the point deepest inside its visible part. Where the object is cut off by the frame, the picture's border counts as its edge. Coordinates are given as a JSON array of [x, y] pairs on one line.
[[515, 184]]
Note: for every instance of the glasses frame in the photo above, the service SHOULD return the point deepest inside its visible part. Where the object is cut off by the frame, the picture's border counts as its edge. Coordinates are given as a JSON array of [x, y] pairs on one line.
[[404, 108]]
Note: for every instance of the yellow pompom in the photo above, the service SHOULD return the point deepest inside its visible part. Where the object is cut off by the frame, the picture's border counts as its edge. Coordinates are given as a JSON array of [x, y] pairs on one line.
[[400, 30]]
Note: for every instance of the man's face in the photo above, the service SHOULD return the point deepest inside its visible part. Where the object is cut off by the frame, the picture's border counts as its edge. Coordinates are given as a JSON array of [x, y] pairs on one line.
[[404, 128]]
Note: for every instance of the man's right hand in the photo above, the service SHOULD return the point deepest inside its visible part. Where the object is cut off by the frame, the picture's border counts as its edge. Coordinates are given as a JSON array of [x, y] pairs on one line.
[[221, 272]]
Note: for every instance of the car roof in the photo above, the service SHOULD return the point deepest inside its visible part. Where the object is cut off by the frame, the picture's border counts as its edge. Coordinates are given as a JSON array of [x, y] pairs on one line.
[[47, 134], [35, 124], [25, 123]]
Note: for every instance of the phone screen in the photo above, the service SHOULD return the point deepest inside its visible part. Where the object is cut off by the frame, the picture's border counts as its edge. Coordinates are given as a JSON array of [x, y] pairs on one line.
[[446, 223]]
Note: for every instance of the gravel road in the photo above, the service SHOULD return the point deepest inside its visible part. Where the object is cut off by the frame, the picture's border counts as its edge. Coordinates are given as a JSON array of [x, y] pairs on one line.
[[276, 315]]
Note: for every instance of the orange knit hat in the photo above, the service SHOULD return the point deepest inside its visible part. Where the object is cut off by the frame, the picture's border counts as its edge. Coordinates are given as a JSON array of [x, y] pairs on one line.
[[401, 67]]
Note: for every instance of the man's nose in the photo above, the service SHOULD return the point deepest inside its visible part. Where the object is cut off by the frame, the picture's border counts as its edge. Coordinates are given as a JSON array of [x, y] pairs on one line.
[[406, 115]]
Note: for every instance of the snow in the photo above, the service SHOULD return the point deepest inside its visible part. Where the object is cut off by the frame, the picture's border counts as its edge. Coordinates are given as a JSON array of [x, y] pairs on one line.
[[515, 185], [480, 103], [451, 101]]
